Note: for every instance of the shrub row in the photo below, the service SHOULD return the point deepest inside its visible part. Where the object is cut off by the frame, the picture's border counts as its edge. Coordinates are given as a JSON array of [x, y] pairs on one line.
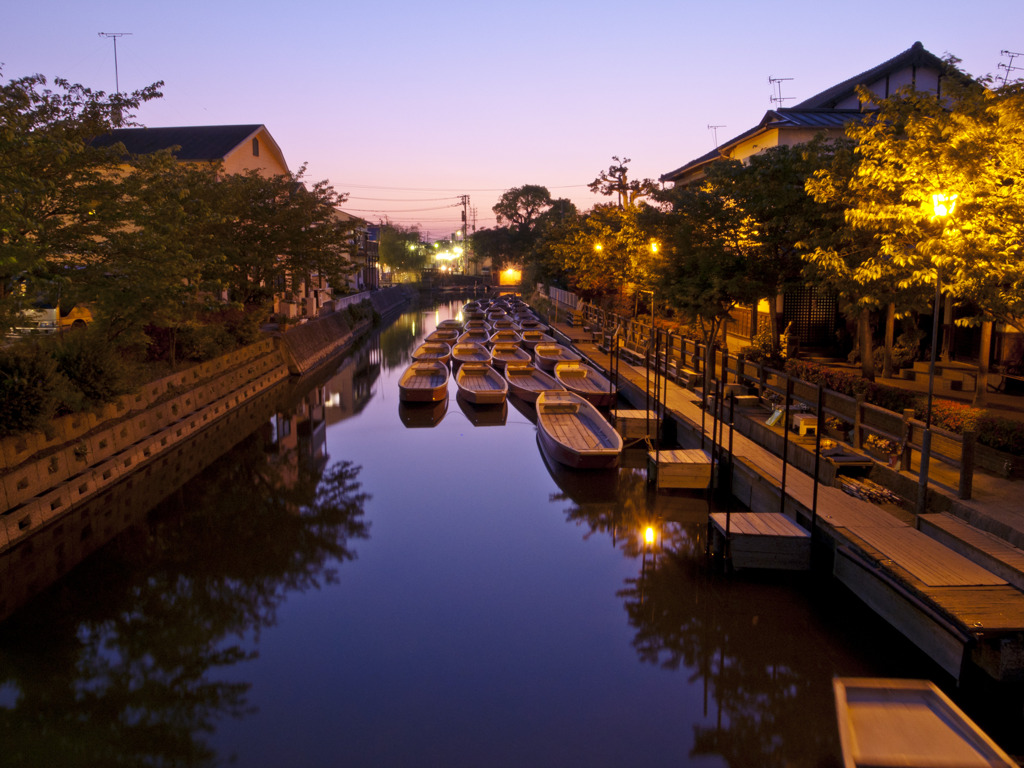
[[46, 376], [996, 432]]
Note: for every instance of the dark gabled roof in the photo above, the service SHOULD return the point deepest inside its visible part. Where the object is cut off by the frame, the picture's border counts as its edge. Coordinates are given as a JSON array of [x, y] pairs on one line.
[[820, 119], [202, 142], [714, 154], [915, 56]]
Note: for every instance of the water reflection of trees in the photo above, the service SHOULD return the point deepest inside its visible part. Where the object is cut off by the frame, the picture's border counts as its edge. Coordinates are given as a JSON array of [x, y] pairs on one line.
[[118, 664], [743, 639]]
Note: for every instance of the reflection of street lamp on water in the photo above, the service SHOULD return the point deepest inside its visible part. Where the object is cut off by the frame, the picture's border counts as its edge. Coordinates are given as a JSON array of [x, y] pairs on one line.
[[942, 207]]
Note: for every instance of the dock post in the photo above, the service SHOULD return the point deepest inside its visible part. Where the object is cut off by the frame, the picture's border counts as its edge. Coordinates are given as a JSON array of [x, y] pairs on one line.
[[785, 443], [817, 455]]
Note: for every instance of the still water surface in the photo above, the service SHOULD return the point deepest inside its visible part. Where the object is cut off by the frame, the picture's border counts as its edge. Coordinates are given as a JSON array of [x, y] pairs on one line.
[[351, 585]]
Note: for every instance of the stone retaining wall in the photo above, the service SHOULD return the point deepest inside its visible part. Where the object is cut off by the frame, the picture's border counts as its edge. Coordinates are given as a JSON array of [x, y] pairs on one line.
[[43, 476]]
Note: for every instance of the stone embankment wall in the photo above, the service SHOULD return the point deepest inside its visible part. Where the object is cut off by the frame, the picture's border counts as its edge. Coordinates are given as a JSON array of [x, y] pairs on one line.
[[44, 475], [308, 345]]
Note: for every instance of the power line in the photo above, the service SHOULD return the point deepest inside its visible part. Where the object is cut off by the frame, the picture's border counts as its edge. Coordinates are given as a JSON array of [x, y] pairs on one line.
[[343, 185]]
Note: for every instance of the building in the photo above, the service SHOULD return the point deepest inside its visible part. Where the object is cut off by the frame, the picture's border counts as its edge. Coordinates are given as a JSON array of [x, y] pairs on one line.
[[239, 149], [812, 315]]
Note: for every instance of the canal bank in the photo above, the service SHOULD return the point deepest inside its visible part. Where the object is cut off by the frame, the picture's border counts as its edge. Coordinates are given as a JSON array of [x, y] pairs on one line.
[[961, 605], [49, 480]]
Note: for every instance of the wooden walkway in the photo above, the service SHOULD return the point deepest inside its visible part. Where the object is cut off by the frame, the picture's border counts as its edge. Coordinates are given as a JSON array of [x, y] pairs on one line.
[[969, 602]]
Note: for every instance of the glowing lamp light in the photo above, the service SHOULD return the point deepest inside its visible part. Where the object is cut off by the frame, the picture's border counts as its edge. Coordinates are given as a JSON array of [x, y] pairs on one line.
[[943, 205], [649, 535], [654, 247], [598, 247]]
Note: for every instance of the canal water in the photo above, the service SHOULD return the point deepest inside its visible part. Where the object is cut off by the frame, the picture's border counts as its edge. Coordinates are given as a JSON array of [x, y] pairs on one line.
[[354, 582]]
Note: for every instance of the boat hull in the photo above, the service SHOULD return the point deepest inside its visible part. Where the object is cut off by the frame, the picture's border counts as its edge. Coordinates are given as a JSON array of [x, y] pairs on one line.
[[586, 382], [480, 384], [572, 432], [527, 382], [424, 382]]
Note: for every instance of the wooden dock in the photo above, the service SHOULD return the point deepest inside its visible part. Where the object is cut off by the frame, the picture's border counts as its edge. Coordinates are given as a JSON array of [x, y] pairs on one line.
[[956, 610]]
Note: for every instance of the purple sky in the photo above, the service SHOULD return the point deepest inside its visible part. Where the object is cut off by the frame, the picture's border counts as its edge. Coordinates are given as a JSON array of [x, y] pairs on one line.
[[407, 105]]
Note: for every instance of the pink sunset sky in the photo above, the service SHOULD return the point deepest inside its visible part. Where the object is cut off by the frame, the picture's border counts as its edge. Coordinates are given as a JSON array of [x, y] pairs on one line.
[[407, 105]]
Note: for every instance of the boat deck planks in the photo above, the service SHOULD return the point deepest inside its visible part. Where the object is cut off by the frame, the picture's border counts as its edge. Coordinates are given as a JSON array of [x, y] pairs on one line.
[[424, 380], [572, 430]]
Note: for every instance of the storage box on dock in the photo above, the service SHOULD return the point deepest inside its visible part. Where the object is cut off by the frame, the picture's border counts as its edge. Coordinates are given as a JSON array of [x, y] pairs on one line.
[[762, 540], [680, 468], [635, 425]]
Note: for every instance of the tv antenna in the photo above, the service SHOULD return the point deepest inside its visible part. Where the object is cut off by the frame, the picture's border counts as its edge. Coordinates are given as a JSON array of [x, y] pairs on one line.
[[714, 132], [776, 84], [113, 36], [1008, 66]]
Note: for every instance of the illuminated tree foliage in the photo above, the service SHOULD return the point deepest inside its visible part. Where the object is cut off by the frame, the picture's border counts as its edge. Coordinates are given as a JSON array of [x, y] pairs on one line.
[[968, 144]]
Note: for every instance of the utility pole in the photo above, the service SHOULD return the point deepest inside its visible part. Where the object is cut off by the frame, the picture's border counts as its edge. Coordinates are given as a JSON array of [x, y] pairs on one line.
[[113, 36]]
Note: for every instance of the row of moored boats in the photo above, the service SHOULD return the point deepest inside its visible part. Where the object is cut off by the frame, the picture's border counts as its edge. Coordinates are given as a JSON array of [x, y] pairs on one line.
[[502, 348]]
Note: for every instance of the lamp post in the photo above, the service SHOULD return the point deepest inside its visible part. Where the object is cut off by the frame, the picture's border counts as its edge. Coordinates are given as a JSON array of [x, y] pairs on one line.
[[942, 207]]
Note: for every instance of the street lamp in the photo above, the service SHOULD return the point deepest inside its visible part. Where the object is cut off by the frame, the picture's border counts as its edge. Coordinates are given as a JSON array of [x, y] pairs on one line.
[[942, 207]]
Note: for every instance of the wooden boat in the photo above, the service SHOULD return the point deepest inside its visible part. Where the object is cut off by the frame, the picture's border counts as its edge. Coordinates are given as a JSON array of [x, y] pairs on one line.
[[508, 353], [433, 350], [505, 324], [532, 324], [450, 324], [548, 355], [587, 382], [505, 335], [446, 335], [470, 352], [425, 381], [527, 381], [480, 384], [574, 433], [476, 325], [908, 723], [532, 338], [480, 336]]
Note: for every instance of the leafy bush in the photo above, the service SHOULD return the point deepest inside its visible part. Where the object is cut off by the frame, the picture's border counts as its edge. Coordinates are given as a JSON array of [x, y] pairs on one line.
[[93, 366], [29, 381]]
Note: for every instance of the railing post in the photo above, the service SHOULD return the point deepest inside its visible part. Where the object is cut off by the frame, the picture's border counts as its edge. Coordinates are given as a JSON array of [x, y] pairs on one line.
[[858, 418], [967, 464], [908, 414]]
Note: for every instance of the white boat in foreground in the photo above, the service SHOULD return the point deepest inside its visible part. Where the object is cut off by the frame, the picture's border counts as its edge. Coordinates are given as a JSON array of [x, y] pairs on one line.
[[573, 432], [911, 723]]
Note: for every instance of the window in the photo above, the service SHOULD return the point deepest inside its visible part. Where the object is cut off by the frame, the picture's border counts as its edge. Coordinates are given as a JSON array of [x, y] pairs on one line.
[[255, 147]]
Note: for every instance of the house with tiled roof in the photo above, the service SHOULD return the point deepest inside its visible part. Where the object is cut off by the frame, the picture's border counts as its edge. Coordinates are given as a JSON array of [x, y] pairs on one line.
[[239, 149], [812, 315]]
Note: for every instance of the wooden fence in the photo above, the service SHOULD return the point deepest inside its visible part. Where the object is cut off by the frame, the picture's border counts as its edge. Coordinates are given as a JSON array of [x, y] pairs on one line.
[[686, 362]]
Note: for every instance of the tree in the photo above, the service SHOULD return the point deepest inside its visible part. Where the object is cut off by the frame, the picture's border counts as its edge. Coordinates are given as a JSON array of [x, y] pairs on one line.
[[521, 206], [615, 181], [703, 267], [400, 248], [607, 250], [56, 199], [915, 146]]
